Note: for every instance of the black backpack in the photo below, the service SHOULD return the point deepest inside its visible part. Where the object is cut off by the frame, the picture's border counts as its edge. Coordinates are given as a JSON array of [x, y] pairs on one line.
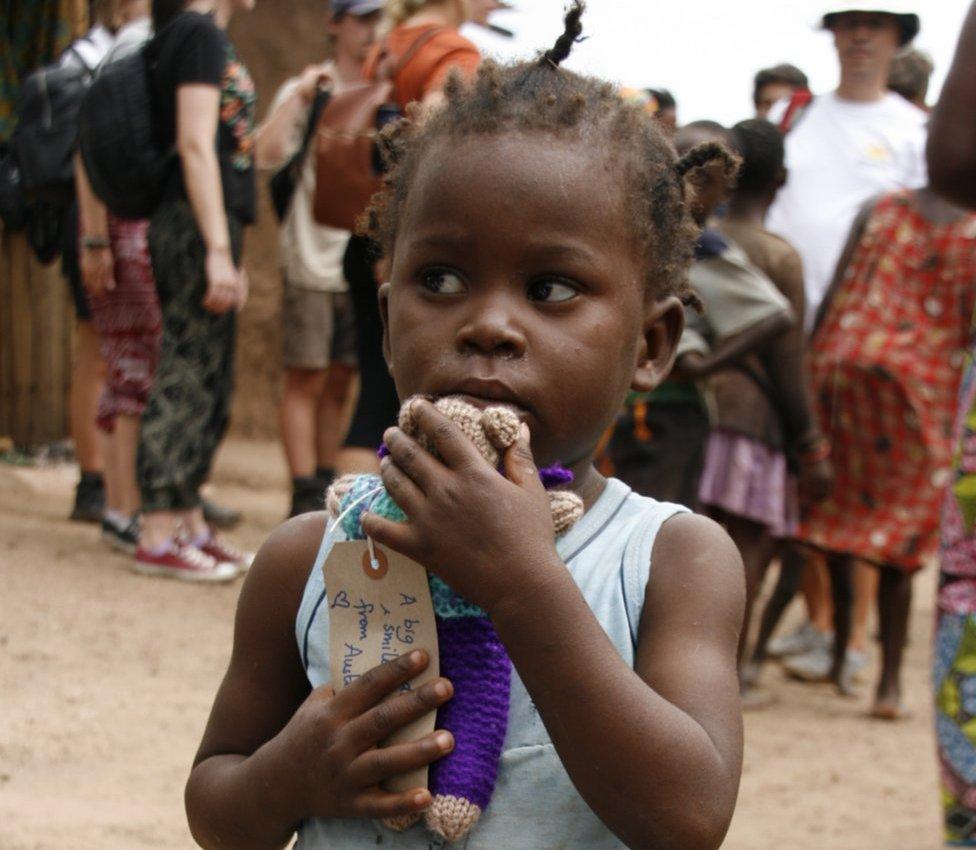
[[118, 140], [286, 179], [46, 136], [13, 204]]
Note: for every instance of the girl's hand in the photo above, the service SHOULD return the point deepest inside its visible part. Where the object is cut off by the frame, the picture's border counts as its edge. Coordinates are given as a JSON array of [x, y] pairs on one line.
[[816, 481], [97, 271], [329, 751], [223, 282], [483, 533]]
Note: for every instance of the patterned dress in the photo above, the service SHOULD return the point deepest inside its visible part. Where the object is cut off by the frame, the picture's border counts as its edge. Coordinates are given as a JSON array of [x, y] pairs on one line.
[[885, 365], [954, 664]]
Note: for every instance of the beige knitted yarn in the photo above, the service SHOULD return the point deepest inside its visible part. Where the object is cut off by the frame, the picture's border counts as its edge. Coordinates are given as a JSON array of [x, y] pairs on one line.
[[451, 817], [492, 430], [566, 508]]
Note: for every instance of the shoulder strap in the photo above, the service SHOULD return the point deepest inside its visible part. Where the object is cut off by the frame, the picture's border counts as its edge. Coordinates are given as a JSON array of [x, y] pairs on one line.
[[77, 54], [386, 70], [318, 104], [798, 104]]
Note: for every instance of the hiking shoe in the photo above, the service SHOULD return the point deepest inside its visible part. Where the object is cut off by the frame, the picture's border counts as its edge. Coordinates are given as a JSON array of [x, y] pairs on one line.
[[123, 537], [220, 516], [184, 563], [225, 553], [89, 498], [802, 640], [307, 495]]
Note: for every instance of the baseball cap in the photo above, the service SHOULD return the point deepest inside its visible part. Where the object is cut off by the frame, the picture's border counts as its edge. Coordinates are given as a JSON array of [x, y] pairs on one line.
[[908, 20], [355, 7]]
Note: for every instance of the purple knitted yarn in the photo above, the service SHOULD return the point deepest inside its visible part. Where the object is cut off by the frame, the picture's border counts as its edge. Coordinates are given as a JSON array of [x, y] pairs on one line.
[[555, 476], [382, 451], [474, 660]]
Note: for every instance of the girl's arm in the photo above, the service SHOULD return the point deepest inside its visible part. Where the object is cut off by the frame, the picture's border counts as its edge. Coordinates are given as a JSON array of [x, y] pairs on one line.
[[695, 365], [279, 136], [275, 752], [97, 267], [197, 114], [846, 255], [655, 751], [951, 149]]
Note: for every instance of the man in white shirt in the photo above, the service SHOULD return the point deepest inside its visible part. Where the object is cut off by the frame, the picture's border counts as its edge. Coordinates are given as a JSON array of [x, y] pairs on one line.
[[848, 145], [317, 323]]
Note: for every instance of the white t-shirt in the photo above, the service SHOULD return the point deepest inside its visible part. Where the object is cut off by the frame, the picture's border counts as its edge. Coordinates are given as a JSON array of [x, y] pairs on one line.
[[129, 39], [311, 253], [91, 49], [840, 154]]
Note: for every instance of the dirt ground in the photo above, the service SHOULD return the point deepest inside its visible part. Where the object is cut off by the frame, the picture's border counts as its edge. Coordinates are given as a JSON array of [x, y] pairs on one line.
[[106, 679]]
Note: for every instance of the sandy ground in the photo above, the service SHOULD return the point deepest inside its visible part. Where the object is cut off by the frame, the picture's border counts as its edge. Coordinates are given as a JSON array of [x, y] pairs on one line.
[[106, 679]]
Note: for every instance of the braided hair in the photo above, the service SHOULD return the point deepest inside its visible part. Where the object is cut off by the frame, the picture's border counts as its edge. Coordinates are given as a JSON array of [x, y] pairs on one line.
[[539, 96]]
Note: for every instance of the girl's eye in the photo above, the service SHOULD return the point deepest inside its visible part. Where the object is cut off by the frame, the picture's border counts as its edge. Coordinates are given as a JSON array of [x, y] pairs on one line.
[[442, 282], [551, 291]]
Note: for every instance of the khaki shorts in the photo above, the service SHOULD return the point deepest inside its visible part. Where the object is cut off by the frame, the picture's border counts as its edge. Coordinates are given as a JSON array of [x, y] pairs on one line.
[[317, 329]]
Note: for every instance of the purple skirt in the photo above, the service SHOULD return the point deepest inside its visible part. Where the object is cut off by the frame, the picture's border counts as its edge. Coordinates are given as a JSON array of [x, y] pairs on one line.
[[747, 479]]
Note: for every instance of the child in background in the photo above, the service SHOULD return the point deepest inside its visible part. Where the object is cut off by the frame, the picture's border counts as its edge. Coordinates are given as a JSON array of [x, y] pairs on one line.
[[539, 240], [658, 442], [885, 363], [746, 485]]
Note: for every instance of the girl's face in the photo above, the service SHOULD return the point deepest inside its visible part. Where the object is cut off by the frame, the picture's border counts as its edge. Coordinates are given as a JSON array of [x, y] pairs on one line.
[[515, 279]]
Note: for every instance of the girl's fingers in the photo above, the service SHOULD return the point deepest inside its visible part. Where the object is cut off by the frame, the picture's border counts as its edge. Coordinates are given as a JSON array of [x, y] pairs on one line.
[[378, 804], [398, 536], [409, 459], [377, 683], [520, 466], [378, 723], [374, 766], [456, 450]]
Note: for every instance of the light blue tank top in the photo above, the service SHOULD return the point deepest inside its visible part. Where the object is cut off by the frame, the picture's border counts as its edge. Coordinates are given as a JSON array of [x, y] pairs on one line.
[[535, 806]]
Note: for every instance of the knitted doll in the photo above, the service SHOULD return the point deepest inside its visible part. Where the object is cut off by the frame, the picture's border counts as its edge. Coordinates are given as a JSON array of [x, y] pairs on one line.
[[471, 655]]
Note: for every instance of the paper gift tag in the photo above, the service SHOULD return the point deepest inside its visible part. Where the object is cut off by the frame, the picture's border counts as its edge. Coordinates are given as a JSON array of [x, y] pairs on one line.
[[376, 615]]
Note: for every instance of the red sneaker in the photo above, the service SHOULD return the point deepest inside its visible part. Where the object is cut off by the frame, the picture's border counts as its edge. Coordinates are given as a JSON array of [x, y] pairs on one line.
[[225, 553], [185, 563]]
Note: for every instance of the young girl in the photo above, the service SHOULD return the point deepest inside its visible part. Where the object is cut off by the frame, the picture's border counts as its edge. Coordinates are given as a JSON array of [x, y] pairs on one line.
[[539, 237]]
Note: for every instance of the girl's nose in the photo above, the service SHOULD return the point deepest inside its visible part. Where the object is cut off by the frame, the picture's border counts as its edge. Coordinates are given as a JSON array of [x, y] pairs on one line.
[[492, 330]]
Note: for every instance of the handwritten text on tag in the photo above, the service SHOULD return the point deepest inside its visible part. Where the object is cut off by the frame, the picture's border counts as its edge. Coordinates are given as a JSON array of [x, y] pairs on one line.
[[378, 613]]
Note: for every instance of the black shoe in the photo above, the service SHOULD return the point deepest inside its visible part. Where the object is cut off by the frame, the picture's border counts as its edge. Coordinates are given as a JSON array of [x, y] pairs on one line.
[[220, 516], [307, 495], [89, 498], [123, 538]]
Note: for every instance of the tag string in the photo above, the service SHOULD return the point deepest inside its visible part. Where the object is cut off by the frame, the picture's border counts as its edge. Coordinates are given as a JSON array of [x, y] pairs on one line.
[[373, 562]]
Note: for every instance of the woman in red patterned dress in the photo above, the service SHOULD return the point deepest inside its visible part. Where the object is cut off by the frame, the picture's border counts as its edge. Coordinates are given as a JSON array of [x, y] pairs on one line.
[[885, 364]]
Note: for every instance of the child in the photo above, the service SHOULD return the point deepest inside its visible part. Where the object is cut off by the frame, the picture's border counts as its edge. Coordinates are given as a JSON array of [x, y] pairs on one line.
[[745, 483], [539, 241], [657, 444]]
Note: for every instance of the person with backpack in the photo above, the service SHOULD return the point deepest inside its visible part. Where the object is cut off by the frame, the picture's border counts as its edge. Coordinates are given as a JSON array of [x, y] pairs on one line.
[[421, 49], [121, 293], [87, 367], [318, 335], [202, 92]]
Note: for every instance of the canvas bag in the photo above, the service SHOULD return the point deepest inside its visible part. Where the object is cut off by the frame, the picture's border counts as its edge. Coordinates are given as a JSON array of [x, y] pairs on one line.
[[346, 173]]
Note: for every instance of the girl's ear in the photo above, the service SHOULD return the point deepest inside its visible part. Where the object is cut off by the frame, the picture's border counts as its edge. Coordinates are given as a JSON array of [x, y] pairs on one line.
[[664, 321], [384, 297]]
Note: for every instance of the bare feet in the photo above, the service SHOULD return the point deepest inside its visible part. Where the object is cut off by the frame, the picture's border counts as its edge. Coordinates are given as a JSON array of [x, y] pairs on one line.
[[888, 706]]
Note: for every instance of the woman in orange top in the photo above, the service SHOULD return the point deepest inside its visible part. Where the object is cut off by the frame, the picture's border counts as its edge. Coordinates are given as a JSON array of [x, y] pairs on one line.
[[430, 31]]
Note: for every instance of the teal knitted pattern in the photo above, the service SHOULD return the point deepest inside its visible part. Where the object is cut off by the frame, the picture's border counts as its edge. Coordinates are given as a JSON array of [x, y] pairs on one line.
[[447, 603]]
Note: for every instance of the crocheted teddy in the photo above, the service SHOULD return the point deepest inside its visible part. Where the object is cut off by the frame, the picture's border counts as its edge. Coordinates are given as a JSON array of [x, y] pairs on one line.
[[471, 655]]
